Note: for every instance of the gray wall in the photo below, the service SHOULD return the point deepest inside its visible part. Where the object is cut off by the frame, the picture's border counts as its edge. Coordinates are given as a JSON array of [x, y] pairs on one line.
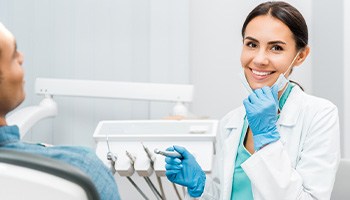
[[328, 55], [346, 77]]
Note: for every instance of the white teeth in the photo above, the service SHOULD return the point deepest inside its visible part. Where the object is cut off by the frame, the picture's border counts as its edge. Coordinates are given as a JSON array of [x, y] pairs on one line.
[[261, 73]]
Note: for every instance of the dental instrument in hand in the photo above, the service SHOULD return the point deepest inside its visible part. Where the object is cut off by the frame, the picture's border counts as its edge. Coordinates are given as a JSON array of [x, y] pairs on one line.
[[173, 154], [170, 154]]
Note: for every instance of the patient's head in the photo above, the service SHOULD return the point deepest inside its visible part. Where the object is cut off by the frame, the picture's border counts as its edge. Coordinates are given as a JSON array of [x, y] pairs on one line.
[[11, 74]]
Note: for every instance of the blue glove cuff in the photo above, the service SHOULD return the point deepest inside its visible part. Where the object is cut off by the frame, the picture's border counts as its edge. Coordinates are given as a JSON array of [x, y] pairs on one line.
[[263, 139], [199, 186]]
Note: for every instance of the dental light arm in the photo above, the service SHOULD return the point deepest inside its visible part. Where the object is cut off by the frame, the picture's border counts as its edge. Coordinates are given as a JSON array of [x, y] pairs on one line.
[[27, 117], [115, 90]]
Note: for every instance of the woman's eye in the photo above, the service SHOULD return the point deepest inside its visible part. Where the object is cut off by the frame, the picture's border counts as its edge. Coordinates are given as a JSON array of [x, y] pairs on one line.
[[251, 44], [276, 48]]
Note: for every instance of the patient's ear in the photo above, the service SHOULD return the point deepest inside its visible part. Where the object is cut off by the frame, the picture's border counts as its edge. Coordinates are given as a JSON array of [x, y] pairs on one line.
[[302, 56]]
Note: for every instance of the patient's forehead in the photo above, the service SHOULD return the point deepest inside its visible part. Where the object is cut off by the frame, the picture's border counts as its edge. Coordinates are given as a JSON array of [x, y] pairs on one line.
[[4, 32], [6, 38]]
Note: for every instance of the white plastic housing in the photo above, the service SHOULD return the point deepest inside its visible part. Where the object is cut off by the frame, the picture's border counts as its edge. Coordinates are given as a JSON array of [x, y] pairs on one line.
[[197, 136]]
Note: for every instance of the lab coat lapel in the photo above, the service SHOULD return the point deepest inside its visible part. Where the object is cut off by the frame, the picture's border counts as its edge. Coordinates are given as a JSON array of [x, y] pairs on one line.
[[292, 108], [234, 127]]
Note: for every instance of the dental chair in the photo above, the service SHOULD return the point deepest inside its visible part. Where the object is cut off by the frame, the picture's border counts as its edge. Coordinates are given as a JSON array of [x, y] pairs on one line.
[[341, 189], [28, 176]]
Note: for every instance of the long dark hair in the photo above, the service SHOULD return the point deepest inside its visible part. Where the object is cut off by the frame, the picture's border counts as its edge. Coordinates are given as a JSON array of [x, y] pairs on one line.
[[287, 14]]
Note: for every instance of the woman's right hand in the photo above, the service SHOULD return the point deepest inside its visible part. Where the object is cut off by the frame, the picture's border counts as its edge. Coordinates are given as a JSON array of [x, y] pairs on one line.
[[185, 171], [261, 110]]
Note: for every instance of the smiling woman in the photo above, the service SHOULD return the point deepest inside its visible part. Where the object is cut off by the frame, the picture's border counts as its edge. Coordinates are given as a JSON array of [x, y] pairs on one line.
[[276, 144], [273, 44]]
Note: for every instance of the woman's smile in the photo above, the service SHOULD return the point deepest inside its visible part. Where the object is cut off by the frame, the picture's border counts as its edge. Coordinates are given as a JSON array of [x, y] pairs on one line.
[[260, 75]]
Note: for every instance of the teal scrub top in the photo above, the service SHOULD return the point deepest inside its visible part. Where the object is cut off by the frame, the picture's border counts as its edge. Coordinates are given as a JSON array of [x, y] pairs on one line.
[[241, 186]]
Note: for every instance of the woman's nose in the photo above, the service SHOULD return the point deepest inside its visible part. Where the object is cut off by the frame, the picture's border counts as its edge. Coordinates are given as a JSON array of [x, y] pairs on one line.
[[261, 58]]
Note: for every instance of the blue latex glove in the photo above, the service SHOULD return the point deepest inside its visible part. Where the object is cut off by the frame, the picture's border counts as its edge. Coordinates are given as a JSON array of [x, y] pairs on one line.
[[185, 171], [261, 109]]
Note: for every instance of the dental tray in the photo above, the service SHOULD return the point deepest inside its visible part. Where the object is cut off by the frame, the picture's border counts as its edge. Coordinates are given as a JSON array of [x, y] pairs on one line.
[[198, 136]]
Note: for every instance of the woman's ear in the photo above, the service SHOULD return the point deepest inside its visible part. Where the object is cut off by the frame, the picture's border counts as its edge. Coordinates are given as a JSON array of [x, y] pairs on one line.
[[302, 55]]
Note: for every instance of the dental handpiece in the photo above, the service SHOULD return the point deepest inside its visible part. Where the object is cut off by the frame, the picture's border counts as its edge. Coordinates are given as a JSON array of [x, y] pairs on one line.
[[168, 153]]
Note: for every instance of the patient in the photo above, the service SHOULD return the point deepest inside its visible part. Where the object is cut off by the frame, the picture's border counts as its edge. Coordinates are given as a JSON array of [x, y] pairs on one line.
[[12, 94]]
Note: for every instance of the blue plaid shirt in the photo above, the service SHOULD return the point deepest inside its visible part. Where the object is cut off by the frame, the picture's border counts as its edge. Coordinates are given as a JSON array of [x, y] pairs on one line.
[[81, 157]]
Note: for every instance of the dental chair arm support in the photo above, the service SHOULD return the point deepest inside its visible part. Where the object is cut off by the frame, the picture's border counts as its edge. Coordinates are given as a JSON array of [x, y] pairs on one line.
[[27, 117]]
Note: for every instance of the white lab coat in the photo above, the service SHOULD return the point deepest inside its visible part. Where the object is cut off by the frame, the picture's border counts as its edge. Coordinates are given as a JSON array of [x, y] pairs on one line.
[[301, 165]]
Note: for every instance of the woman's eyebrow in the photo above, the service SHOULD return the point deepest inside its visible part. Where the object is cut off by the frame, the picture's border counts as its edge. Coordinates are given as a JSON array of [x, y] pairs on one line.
[[276, 42], [270, 42], [251, 38]]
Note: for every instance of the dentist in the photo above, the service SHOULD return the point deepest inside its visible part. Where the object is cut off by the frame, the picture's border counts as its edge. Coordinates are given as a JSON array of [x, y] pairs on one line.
[[282, 143]]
